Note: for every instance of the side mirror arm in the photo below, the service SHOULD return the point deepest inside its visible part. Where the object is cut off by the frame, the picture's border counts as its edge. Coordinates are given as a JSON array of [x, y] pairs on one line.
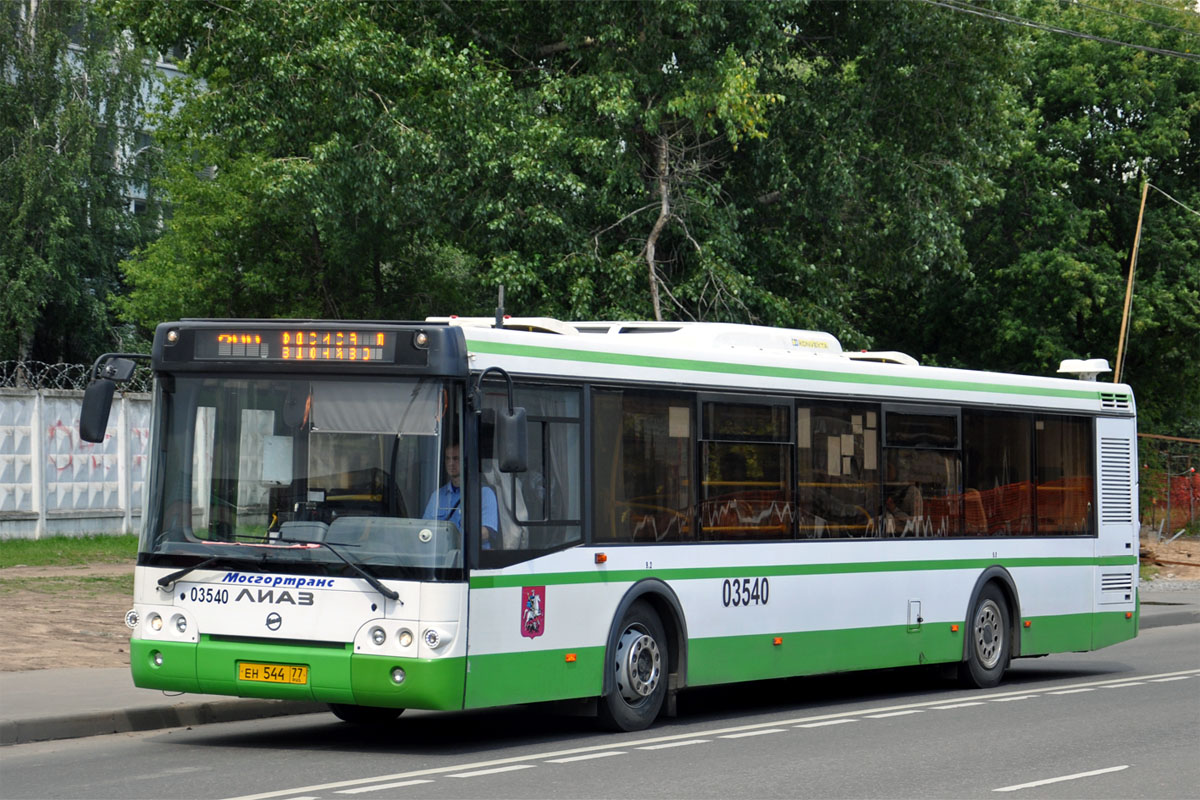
[[107, 371], [512, 439]]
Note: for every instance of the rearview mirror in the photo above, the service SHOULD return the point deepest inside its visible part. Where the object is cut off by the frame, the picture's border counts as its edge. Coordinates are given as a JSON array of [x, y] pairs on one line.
[[97, 403], [512, 442], [509, 434]]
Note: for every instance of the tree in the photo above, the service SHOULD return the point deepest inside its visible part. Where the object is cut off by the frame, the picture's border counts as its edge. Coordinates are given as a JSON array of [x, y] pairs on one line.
[[692, 160], [1050, 259], [70, 118], [334, 160]]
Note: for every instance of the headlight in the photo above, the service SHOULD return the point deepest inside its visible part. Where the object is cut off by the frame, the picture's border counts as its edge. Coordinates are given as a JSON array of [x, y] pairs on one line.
[[405, 636], [131, 618], [433, 638], [181, 623], [378, 636], [156, 622]]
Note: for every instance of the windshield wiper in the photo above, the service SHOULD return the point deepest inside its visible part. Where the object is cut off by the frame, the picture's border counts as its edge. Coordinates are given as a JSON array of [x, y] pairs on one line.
[[165, 581], [390, 594]]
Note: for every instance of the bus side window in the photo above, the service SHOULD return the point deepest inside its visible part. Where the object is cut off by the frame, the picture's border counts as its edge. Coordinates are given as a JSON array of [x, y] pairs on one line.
[[539, 508], [838, 475], [643, 457]]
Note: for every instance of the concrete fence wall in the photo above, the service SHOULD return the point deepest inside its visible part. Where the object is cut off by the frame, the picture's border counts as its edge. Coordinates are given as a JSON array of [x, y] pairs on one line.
[[52, 482]]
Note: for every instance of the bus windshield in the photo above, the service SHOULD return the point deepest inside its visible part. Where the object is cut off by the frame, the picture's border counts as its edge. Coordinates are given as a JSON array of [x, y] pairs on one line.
[[304, 474]]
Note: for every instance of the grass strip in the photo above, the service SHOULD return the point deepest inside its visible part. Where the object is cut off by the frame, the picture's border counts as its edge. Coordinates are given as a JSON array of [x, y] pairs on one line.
[[69, 551]]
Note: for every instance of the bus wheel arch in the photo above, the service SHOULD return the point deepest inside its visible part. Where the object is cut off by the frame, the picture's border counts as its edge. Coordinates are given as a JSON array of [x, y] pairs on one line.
[[649, 607], [993, 611]]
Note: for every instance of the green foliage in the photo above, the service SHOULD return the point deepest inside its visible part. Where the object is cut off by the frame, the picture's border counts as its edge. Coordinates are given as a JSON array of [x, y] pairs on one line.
[[899, 174], [1050, 259], [69, 152]]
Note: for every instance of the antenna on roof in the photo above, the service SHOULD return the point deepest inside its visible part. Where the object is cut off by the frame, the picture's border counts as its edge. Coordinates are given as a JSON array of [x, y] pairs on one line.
[[500, 308]]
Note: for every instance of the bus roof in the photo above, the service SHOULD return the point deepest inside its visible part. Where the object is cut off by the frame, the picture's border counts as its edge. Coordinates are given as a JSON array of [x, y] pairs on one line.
[[724, 355]]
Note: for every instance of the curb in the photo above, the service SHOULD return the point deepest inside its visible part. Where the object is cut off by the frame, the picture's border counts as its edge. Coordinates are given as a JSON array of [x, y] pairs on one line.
[[1162, 619], [75, 726]]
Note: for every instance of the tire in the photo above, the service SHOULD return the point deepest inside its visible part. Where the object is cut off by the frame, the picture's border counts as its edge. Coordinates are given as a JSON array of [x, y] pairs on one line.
[[364, 715], [638, 664], [989, 642]]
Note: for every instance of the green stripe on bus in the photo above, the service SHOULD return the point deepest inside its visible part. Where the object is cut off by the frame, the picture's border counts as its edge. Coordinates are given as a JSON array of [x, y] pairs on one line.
[[601, 575], [728, 659], [504, 678], [791, 373]]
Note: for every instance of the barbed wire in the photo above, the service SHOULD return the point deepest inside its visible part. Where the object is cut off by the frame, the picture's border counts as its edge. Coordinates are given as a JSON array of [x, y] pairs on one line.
[[40, 375]]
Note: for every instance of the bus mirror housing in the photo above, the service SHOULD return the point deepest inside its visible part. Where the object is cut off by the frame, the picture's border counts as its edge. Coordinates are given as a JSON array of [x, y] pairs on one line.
[[512, 440], [109, 370], [510, 430], [97, 403]]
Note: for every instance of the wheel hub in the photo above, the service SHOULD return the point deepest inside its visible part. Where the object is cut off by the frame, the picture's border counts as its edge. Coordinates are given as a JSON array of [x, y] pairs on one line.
[[639, 665], [989, 636]]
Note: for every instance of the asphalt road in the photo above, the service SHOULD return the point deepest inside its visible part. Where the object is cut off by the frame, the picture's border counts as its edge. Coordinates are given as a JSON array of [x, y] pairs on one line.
[[1121, 722]]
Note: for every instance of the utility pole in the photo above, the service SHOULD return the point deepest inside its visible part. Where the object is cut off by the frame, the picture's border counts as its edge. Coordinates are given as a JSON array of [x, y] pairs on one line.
[[1137, 238]]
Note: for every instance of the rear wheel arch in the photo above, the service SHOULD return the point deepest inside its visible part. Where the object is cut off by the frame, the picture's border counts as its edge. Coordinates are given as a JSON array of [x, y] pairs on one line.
[[1003, 580]]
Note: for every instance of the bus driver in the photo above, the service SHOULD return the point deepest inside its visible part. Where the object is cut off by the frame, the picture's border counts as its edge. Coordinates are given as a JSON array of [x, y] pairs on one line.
[[446, 502]]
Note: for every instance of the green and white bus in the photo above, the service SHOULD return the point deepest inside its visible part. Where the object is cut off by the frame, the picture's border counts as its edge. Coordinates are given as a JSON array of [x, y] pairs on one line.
[[461, 513]]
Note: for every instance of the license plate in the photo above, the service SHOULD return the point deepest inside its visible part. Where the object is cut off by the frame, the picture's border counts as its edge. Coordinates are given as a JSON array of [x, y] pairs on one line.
[[272, 673]]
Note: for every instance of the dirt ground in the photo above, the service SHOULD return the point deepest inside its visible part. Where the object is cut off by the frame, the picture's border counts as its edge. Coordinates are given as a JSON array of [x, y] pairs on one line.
[[1179, 560], [75, 616], [54, 617]]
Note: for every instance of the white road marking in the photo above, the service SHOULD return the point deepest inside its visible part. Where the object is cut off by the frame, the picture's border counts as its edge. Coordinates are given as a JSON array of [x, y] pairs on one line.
[[660, 742], [1010, 699], [826, 722], [674, 744], [494, 770], [960, 705], [1072, 691], [1123, 685], [1074, 777], [380, 786], [753, 733], [587, 756], [895, 713], [1166, 680]]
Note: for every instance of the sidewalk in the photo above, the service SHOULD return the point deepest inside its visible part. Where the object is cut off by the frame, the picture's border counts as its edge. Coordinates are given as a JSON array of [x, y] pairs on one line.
[[47, 704]]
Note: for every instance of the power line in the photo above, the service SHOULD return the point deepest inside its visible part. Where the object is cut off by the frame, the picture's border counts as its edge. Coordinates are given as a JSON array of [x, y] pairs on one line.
[[1173, 200], [966, 8], [1110, 11], [1175, 9]]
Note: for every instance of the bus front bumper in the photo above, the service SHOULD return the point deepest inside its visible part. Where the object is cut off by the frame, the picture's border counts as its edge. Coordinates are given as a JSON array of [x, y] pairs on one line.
[[330, 674]]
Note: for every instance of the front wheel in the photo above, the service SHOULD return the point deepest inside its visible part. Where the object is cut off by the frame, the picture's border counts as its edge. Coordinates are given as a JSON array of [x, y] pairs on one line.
[[989, 647], [364, 715], [638, 665]]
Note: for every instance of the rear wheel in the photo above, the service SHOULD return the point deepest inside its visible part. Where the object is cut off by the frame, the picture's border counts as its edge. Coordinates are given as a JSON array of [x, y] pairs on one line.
[[989, 647], [638, 665], [364, 715]]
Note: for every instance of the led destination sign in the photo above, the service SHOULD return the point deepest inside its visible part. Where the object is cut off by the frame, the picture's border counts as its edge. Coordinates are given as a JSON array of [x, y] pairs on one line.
[[297, 344]]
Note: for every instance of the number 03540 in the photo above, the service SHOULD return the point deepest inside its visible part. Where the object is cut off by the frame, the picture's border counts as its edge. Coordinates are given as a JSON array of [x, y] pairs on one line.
[[745, 592]]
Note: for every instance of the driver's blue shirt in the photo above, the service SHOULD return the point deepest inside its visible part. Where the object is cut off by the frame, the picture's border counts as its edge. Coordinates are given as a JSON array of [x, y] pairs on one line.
[[446, 504]]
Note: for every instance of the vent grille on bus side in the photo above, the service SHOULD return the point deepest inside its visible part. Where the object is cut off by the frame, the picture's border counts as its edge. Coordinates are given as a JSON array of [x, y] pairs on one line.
[[1116, 481], [1116, 582], [1114, 400]]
